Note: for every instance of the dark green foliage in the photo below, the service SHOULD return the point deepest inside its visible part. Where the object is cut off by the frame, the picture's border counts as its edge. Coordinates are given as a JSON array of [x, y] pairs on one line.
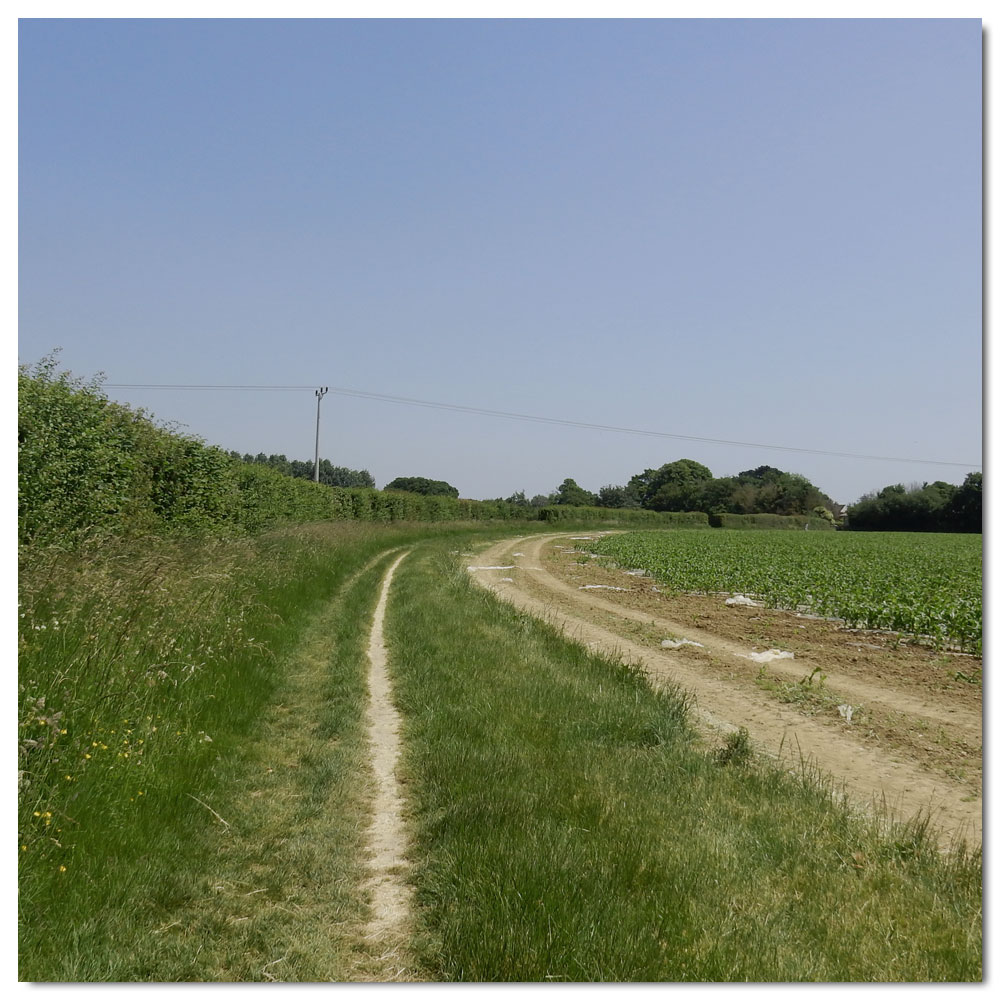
[[571, 495], [89, 467], [615, 496], [934, 506], [687, 485], [965, 508], [329, 474], [612, 515], [761, 475], [423, 486], [670, 487]]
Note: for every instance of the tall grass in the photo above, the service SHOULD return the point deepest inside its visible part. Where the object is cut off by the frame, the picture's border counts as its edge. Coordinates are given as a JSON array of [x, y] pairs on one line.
[[146, 670], [568, 827]]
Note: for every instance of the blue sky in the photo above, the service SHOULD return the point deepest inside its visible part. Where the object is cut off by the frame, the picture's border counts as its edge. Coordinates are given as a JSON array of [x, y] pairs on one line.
[[764, 231]]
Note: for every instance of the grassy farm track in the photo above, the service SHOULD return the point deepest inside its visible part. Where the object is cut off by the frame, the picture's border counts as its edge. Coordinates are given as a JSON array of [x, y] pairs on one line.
[[569, 825], [919, 735], [552, 815]]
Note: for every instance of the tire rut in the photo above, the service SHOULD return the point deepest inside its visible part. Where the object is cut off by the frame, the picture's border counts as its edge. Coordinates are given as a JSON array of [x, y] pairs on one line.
[[870, 778], [387, 841]]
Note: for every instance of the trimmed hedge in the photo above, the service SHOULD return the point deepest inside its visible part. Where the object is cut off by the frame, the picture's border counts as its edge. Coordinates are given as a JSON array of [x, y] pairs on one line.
[[785, 522], [625, 515], [90, 467]]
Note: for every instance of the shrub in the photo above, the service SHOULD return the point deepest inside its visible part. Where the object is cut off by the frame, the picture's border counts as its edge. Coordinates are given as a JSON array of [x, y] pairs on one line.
[[786, 522]]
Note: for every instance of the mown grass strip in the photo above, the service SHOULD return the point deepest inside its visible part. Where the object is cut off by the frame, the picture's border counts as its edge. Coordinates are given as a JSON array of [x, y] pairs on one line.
[[568, 826]]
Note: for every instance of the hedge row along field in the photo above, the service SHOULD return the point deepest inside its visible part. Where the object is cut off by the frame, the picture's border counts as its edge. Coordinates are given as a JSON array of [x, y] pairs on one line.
[[625, 515], [922, 584], [89, 467]]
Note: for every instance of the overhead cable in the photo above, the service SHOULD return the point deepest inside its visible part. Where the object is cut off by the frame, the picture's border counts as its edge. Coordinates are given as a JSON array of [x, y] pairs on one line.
[[409, 401]]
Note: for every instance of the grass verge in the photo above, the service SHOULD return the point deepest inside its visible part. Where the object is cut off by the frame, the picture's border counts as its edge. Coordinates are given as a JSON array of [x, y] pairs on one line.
[[569, 827], [188, 754]]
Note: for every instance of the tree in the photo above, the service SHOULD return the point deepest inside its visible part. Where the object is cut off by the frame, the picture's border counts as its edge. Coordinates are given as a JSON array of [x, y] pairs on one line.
[[518, 499], [669, 487], [337, 475], [615, 496], [424, 486], [716, 496], [569, 494], [936, 506], [676, 485], [762, 474], [965, 507], [639, 487], [329, 474]]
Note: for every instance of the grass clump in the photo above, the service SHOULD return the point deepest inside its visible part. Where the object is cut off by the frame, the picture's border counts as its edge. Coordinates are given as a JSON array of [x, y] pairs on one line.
[[569, 827]]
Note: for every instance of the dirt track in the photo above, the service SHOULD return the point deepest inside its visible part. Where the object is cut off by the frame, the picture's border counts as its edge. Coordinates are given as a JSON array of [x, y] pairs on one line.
[[915, 745], [387, 841]]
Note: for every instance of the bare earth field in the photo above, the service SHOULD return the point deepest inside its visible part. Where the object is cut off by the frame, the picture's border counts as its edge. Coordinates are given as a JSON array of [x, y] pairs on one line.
[[897, 726]]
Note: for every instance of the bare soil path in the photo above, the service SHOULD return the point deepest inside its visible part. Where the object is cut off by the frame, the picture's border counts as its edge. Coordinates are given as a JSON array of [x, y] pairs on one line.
[[910, 743], [387, 840]]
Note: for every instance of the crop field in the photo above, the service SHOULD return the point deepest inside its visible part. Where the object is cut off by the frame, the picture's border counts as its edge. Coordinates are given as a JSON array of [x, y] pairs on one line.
[[927, 585]]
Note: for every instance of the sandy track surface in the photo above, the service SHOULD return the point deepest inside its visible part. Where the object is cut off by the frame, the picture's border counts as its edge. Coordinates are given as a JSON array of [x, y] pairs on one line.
[[387, 840], [720, 677]]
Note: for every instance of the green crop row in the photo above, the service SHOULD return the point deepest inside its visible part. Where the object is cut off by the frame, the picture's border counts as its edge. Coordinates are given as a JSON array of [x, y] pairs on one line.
[[918, 584]]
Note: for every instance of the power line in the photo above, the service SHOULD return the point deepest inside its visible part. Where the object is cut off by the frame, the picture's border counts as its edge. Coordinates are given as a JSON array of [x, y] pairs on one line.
[[283, 388], [409, 401]]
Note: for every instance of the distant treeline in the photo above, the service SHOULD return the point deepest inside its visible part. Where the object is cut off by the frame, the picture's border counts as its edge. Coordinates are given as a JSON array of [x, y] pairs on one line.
[[687, 485], [329, 474], [929, 507], [767, 497]]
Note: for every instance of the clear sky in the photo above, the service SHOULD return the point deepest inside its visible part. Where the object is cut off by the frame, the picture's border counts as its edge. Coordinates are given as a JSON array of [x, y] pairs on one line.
[[763, 231]]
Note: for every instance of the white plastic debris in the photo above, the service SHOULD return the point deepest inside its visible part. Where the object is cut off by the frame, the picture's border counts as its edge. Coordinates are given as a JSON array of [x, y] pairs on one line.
[[581, 538], [514, 555], [473, 569], [677, 643], [772, 654], [506, 579], [846, 712], [741, 600], [635, 572], [598, 586]]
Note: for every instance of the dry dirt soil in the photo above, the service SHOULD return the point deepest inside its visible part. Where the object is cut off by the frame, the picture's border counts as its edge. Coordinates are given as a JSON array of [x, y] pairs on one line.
[[897, 726]]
